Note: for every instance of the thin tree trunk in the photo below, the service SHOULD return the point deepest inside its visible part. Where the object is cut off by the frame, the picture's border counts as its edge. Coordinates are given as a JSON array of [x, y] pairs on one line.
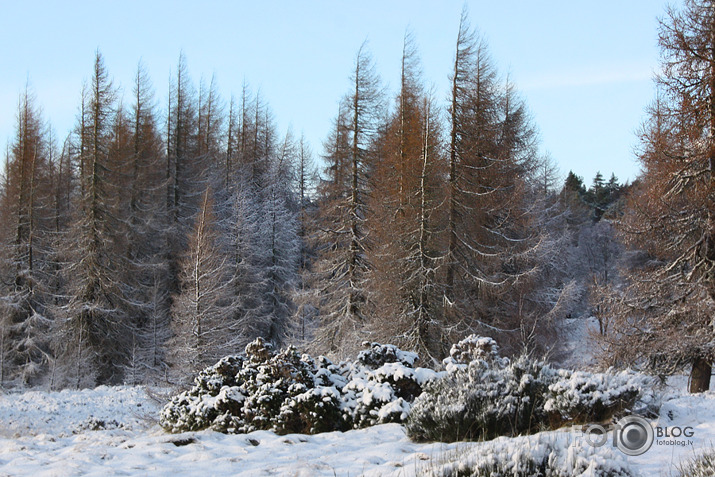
[[2, 355], [700, 375], [452, 213], [422, 316]]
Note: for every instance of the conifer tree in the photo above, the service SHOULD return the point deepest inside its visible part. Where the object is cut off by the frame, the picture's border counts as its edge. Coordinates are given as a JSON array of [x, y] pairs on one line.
[[203, 310], [306, 184], [26, 272], [281, 243], [144, 274], [185, 173], [404, 212], [491, 154], [343, 267], [92, 326]]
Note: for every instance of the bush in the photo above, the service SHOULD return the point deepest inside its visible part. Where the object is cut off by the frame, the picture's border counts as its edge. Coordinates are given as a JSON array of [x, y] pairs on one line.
[[383, 383], [474, 348], [215, 396], [582, 397], [490, 396], [287, 392], [481, 402], [527, 458], [480, 396]]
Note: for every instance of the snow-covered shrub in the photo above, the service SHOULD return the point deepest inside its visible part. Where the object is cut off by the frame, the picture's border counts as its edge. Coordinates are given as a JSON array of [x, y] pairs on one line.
[[314, 411], [94, 424], [474, 348], [243, 393], [378, 354], [292, 393], [529, 457], [482, 401], [214, 397], [490, 396], [581, 396], [279, 378], [383, 383]]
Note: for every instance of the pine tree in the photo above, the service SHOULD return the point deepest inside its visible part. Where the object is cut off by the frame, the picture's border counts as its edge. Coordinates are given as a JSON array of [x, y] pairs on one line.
[[574, 183]]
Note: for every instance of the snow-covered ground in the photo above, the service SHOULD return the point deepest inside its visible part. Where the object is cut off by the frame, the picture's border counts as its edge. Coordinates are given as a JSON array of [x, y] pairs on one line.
[[577, 343], [114, 431]]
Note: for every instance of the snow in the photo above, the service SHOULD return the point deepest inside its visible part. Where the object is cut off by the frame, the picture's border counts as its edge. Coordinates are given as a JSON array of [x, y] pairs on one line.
[[65, 412], [52, 433], [577, 343]]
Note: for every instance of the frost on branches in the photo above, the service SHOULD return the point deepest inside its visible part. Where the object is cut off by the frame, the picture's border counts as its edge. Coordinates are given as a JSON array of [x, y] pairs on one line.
[[287, 392], [483, 396]]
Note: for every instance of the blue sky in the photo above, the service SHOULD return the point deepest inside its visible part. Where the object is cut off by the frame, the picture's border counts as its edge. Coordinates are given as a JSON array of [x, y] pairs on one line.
[[584, 68]]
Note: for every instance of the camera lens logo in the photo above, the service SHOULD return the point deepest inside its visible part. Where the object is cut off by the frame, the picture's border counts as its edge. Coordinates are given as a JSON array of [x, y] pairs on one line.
[[633, 435]]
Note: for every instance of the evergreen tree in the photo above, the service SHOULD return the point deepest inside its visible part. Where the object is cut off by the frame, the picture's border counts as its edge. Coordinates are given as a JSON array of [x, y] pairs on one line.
[[574, 184]]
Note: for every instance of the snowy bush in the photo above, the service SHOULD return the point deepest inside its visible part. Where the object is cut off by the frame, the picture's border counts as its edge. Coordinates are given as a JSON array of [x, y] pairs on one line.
[[382, 386], [580, 396], [481, 401], [215, 398], [480, 396], [292, 393], [378, 354], [269, 381], [474, 348], [314, 411], [95, 424], [527, 458], [490, 396]]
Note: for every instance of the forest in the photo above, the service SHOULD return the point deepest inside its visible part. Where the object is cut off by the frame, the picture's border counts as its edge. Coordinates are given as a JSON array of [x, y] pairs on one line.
[[154, 239]]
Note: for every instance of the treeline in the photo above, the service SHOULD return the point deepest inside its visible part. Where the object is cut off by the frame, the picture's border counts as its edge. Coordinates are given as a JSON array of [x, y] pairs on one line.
[[151, 241]]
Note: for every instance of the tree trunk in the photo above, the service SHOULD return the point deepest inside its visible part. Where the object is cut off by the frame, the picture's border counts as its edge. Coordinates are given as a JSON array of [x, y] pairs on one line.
[[700, 376]]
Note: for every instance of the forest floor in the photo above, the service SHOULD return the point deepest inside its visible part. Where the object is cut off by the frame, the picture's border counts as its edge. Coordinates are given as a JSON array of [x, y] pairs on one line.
[[115, 431]]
